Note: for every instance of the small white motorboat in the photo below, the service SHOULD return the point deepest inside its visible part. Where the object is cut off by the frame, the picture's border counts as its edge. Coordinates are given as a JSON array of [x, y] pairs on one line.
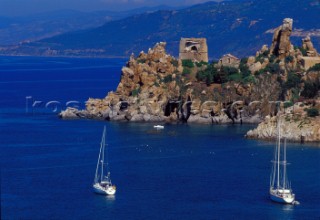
[[159, 126]]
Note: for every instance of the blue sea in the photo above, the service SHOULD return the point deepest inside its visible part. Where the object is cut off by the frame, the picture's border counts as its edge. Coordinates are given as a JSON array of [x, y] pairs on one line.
[[184, 171]]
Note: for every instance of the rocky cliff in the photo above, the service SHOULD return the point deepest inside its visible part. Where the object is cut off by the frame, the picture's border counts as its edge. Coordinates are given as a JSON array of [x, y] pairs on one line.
[[157, 87], [295, 125]]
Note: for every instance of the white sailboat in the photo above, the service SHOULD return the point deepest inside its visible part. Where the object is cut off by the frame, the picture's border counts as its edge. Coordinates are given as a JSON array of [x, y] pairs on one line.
[[280, 189], [102, 183]]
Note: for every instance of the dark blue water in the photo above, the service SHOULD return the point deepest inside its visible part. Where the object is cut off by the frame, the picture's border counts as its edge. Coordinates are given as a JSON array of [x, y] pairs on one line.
[[182, 172]]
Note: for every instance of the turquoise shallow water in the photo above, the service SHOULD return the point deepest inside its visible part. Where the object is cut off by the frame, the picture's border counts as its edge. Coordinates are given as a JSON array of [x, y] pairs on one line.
[[182, 172]]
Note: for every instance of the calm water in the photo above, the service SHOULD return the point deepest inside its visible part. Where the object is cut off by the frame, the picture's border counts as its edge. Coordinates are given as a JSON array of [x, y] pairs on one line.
[[182, 172]]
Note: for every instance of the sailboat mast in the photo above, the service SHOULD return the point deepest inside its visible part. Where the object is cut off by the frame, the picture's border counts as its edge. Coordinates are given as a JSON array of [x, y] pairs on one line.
[[96, 176], [278, 157], [102, 147], [273, 171], [284, 163]]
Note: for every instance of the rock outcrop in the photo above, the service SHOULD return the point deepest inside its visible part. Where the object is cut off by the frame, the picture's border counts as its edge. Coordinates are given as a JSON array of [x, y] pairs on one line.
[[308, 46], [296, 130], [295, 125], [310, 56], [154, 87], [281, 44]]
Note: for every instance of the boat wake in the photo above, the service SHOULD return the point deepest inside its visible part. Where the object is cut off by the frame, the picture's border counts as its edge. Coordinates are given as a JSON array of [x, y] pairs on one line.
[[296, 203]]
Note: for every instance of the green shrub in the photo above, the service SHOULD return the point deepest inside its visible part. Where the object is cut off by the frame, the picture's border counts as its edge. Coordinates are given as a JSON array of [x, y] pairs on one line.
[[266, 53], [289, 59], [141, 60], [315, 67], [272, 58], [175, 63], [209, 79], [292, 81], [279, 80], [209, 75], [229, 70], [202, 75], [312, 112], [288, 104], [202, 63], [135, 92], [249, 79], [259, 72], [273, 68], [186, 71], [187, 63], [310, 89], [295, 93], [244, 60], [244, 69], [260, 59], [303, 51], [235, 77], [167, 79]]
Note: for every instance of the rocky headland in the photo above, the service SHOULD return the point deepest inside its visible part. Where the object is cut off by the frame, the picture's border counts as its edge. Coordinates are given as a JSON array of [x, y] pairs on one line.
[[157, 87], [295, 125]]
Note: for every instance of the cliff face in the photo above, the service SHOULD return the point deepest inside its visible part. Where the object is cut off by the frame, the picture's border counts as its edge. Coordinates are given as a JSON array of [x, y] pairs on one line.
[[281, 44], [295, 126], [157, 87]]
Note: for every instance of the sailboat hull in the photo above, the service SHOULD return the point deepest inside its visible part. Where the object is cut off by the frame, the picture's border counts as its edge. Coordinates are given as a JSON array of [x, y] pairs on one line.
[[108, 190], [282, 196]]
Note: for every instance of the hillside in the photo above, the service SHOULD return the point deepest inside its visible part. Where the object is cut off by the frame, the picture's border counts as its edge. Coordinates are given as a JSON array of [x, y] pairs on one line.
[[19, 29], [237, 27]]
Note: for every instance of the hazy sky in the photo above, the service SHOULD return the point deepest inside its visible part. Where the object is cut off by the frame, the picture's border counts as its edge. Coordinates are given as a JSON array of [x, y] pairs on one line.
[[23, 7]]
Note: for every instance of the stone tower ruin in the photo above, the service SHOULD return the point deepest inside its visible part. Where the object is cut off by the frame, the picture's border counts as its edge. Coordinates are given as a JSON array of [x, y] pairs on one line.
[[195, 49]]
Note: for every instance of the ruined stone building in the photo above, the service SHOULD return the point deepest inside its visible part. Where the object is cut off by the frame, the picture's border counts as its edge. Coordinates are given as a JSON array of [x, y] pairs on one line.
[[195, 49], [229, 60]]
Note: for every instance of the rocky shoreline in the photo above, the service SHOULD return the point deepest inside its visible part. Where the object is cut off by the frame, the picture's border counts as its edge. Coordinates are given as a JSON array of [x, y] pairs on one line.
[[73, 113], [157, 87], [154, 88], [304, 130]]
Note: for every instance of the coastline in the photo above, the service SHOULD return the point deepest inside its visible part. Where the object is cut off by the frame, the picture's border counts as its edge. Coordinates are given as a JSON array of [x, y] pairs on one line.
[[61, 56], [153, 88]]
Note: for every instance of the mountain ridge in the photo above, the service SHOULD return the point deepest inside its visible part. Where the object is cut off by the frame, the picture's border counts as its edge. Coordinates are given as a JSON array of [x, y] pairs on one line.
[[238, 27], [34, 27]]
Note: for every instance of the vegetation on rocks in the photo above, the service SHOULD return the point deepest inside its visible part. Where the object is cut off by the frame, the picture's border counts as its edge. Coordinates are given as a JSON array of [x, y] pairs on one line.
[[155, 86], [312, 112]]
